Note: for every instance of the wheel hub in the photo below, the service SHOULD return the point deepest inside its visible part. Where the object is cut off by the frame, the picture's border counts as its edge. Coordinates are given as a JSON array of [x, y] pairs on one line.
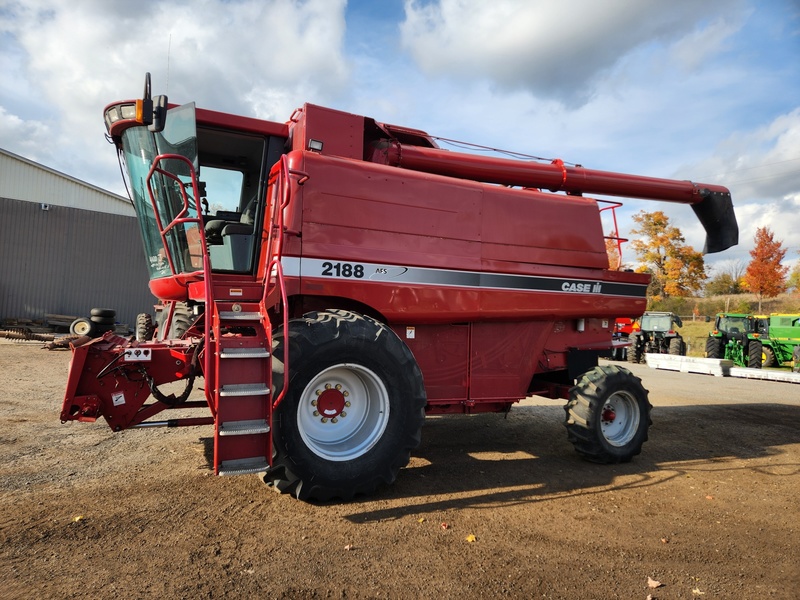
[[609, 414], [331, 402], [343, 412]]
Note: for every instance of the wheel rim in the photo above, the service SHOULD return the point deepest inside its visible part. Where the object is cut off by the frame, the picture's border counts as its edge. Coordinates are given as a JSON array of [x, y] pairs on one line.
[[82, 328], [619, 419], [343, 412]]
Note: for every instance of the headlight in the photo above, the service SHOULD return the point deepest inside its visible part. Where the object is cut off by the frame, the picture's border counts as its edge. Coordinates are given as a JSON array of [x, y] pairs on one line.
[[119, 112]]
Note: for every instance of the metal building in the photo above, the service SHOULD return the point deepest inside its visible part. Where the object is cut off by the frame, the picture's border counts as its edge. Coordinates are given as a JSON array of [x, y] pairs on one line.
[[66, 246]]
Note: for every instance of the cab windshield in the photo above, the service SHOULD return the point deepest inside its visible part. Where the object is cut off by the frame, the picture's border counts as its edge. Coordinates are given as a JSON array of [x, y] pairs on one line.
[[656, 323], [229, 167], [141, 146], [735, 324]]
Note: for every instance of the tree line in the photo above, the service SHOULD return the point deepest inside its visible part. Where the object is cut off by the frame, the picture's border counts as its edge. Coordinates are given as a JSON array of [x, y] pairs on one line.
[[678, 270]]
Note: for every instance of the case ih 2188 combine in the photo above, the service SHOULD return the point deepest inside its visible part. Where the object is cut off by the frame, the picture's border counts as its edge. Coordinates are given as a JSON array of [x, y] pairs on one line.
[[347, 277]]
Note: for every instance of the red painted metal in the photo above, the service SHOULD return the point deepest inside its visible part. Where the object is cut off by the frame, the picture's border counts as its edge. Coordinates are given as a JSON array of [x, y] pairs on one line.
[[555, 176], [498, 288], [106, 381]]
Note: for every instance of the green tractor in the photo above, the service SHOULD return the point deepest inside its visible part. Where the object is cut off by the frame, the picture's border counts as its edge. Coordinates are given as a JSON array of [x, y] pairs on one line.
[[780, 339], [736, 337], [656, 334]]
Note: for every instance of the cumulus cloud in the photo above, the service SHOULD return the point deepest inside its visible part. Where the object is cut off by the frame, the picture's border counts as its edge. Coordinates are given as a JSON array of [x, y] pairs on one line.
[[761, 167], [208, 50], [260, 58], [553, 49], [765, 162], [26, 138]]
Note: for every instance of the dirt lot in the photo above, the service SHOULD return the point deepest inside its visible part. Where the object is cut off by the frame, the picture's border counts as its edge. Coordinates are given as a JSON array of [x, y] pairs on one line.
[[710, 509]]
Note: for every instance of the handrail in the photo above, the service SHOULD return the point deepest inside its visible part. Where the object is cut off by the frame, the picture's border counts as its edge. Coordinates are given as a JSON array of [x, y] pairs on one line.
[[614, 205], [276, 264], [180, 218], [281, 196]]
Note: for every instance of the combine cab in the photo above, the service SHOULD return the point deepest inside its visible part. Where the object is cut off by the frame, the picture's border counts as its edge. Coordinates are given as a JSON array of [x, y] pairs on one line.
[[735, 337], [780, 339], [334, 279]]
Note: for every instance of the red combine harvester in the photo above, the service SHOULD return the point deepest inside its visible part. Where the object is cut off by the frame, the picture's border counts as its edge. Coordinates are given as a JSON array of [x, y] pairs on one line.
[[334, 279]]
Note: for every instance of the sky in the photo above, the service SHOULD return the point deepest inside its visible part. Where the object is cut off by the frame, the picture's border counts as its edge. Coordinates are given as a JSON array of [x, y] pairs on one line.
[[707, 91]]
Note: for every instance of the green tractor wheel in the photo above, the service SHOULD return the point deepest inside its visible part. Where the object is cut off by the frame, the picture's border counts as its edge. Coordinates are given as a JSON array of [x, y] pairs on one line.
[[713, 347], [767, 356], [754, 352]]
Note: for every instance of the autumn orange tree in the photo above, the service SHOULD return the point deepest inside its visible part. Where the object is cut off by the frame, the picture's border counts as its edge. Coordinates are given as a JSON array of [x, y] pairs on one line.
[[676, 269], [612, 250], [765, 275]]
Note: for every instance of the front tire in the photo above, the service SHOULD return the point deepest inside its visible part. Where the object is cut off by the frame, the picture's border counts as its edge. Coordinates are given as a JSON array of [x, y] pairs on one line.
[[353, 409], [754, 349], [608, 415]]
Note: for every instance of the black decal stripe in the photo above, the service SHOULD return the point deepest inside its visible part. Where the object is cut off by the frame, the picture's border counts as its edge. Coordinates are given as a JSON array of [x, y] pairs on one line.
[[310, 267]]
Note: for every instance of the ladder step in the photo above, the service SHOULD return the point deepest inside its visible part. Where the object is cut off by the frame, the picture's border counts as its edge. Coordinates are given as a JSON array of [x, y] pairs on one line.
[[243, 466], [244, 427], [229, 315], [244, 389], [244, 353]]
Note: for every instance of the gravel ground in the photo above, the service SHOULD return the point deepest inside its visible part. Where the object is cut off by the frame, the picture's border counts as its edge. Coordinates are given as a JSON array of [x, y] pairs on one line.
[[490, 506]]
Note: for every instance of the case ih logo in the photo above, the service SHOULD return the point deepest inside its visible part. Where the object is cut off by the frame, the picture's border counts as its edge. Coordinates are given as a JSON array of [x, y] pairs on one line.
[[582, 288]]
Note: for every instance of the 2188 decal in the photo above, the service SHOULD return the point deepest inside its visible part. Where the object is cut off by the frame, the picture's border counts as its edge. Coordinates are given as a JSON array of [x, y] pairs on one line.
[[331, 269]]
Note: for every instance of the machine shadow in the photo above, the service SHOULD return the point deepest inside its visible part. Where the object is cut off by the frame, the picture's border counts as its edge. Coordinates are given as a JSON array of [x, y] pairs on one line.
[[526, 458]]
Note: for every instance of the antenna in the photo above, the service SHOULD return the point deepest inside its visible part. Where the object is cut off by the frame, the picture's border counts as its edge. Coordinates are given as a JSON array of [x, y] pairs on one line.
[[169, 48]]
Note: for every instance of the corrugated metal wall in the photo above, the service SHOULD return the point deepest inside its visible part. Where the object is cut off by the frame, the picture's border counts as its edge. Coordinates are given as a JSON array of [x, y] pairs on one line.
[[68, 261]]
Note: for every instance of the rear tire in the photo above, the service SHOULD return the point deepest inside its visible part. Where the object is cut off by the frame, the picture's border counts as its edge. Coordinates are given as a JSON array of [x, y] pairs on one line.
[[353, 410], [608, 415], [713, 347], [144, 327], [754, 350], [103, 312], [767, 356], [635, 349], [182, 319], [676, 346]]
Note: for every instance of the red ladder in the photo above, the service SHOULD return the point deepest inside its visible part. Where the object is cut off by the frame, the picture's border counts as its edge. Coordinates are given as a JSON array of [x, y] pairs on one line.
[[242, 369], [241, 387]]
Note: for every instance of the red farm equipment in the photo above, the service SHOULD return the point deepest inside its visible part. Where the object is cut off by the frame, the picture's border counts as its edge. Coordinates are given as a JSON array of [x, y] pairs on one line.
[[336, 279]]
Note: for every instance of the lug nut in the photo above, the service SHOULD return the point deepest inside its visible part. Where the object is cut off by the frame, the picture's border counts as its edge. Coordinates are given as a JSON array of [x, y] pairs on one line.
[[324, 419], [313, 403], [343, 414], [316, 413], [334, 420], [347, 404]]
